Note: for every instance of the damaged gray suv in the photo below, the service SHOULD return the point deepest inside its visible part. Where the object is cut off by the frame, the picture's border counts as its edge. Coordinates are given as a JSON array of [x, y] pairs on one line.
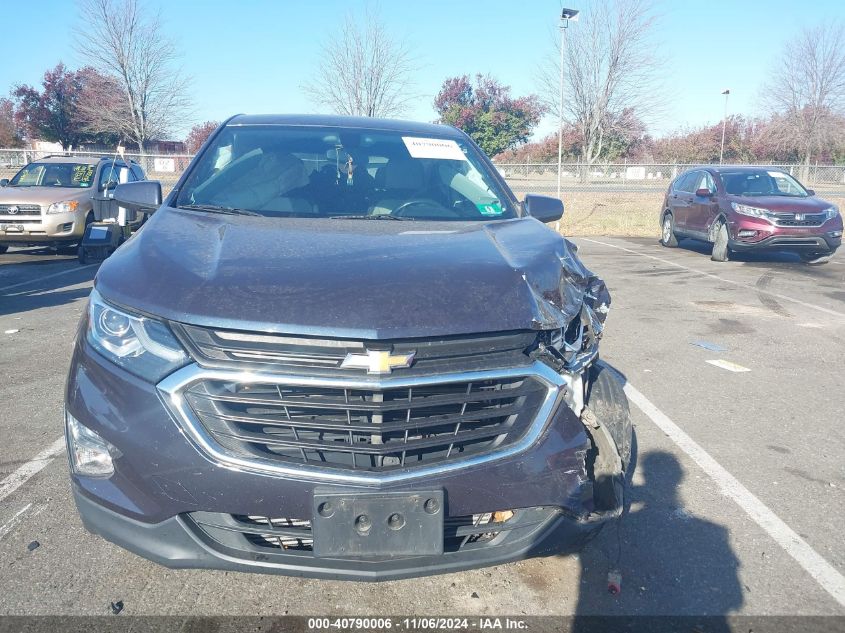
[[341, 348]]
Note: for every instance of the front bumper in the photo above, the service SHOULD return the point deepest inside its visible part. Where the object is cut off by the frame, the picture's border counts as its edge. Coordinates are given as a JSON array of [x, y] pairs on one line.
[[32, 229], [163, 481], [179, 542], [782, 242], [750, 234]]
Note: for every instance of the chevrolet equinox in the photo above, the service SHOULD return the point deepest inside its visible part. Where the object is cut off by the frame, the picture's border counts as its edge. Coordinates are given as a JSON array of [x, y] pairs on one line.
[[341, 348]]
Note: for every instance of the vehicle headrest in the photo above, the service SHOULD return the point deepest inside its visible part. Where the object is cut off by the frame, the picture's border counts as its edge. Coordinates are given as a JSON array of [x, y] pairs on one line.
[[404, 173]]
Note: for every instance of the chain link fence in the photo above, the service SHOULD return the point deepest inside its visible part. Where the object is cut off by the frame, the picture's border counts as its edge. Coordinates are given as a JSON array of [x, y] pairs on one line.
[[626, 198], [600, 199], [166, 168], [542, 177]]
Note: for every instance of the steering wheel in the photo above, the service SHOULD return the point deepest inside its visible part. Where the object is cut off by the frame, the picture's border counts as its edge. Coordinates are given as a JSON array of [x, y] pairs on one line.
[[399, 211]]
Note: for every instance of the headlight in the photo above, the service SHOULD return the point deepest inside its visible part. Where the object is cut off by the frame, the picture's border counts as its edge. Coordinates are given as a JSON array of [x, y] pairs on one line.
[[744, 209], [831, 212], [140, 345], [63, 207]]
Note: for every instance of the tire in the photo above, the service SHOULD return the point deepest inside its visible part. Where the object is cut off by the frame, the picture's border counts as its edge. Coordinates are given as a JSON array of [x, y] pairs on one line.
[[608, 401], [814, 259], [3, 249], [721, 250], [667, 231], [80, 255]]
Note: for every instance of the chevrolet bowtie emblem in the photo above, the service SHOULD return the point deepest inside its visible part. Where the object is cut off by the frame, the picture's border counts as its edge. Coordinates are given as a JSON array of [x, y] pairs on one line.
[[377, 362]]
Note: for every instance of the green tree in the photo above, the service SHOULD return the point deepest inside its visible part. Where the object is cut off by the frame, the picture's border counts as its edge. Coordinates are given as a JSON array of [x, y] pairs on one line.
[[486, 111]]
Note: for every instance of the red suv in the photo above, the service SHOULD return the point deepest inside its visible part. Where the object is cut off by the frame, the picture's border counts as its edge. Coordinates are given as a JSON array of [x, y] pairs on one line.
[[749, 208]]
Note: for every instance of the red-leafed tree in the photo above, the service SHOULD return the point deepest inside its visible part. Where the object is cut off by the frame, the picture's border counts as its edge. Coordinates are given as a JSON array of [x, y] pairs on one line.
[[10, 135], [52, 113], [198, 135], [485, 110]]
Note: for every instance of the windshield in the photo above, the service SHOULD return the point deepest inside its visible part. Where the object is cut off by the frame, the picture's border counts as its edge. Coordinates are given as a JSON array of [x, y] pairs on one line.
[[288, 171], [762, 182], [74, 175]]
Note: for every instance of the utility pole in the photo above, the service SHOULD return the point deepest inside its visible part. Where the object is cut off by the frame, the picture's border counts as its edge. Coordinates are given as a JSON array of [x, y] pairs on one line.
[[724, 123], [565, 16]]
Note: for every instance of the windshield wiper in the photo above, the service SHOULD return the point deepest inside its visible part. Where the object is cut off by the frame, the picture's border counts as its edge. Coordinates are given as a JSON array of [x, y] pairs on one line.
[[214, 208], [383, 216]]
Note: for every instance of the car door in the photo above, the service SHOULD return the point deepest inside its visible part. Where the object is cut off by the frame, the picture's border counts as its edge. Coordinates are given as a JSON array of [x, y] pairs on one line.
[[111, 174], [702, 208], [680, 200]]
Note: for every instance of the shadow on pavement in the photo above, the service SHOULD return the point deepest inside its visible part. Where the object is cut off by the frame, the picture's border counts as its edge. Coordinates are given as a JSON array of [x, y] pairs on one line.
[[671, 562], [37, 256], [47, 293], [746, 257]]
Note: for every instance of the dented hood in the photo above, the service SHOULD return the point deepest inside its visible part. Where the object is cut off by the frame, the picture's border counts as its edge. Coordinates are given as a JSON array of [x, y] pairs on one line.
[[348, 278]]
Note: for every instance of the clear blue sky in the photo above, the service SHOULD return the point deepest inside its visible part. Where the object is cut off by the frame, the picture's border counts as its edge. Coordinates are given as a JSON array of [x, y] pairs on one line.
[[253, 56]]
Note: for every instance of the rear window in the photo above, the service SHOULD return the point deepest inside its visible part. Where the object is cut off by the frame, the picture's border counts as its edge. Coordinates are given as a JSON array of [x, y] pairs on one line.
[[284, 171], [72, 175]]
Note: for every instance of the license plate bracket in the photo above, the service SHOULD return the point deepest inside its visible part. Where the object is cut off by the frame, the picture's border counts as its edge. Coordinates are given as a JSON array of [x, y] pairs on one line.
[[378, 524]]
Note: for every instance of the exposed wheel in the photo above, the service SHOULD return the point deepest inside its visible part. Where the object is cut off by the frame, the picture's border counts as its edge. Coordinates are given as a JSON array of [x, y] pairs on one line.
[[814, 259], [608, 401], [721, 250], [667, 231]]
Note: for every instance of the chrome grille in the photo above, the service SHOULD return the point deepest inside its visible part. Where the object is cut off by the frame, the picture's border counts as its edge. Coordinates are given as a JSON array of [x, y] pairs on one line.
[[322, 356], [366, 428], [808, 219], [22, 209]]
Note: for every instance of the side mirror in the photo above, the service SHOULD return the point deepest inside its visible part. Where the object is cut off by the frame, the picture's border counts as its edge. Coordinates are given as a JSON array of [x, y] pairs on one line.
[[4, 182], [144, 195], [543, 208], [111, 184], [810, 192], [703, 193]]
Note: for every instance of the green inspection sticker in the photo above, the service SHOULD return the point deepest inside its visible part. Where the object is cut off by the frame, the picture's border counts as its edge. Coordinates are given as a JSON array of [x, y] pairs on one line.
[[490, 208]]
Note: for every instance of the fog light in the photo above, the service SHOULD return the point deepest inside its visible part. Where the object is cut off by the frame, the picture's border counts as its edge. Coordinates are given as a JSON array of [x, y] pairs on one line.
[[835, 234], [746, 233], [90, 454]]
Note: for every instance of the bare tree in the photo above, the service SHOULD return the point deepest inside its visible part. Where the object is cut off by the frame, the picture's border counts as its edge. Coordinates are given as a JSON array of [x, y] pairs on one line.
[[610, 67], [143, 94], [364, 72], [806, 91]]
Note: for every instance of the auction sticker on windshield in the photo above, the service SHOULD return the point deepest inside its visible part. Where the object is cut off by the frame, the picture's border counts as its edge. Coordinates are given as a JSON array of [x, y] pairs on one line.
[[442, 148]]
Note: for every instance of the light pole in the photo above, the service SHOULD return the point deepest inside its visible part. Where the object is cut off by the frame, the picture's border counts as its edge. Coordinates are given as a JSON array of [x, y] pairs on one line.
[[724, 123], [565, 16]]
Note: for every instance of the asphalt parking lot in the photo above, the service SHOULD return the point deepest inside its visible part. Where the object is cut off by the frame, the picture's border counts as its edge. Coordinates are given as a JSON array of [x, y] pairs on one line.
[[737, 503]]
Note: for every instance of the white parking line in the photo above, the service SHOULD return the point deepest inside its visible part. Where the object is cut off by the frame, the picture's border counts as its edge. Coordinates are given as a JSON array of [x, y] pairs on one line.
[[18, 517], [31, 468], [812, 306], [823, 572], [726, 364], [58, 274]]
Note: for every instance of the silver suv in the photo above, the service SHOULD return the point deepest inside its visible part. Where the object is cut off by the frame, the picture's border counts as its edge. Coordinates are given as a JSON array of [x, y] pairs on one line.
[[52, 200]]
